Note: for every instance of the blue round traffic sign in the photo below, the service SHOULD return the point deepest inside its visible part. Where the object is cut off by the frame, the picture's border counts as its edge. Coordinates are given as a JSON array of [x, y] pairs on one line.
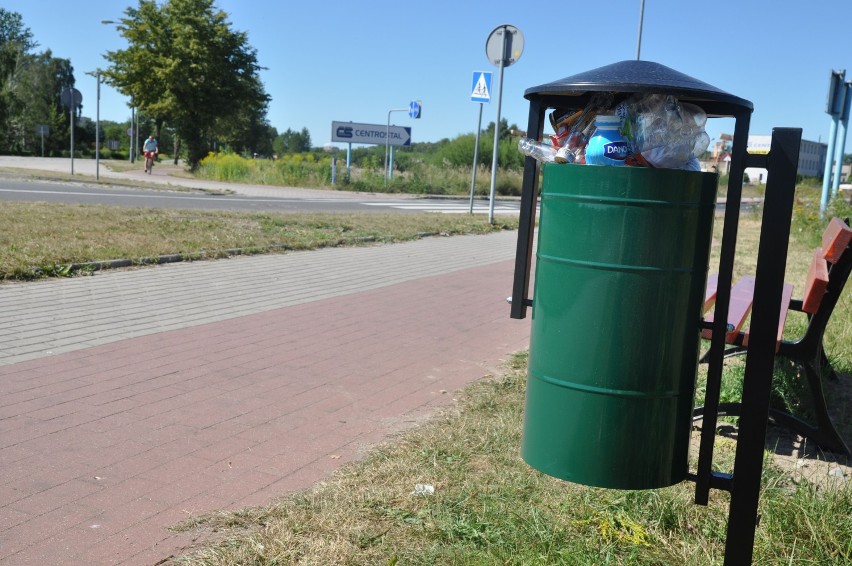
[[414, 109]]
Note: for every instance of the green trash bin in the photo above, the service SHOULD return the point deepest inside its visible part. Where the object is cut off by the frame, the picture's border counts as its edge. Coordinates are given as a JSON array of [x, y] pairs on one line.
[[620, 273]]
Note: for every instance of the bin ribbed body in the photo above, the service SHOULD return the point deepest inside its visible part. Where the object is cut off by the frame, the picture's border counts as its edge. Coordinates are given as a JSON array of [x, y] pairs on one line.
[[621, 266]]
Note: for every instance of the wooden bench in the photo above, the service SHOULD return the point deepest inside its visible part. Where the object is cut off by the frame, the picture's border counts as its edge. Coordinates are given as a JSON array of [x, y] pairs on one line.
[[827, 275]]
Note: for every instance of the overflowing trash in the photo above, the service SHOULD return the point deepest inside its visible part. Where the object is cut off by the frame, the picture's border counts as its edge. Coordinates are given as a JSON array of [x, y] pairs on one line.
[[646, 130]]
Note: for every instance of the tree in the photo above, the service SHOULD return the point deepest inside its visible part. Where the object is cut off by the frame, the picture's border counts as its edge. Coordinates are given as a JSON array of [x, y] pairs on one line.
[[293, 142], [30, 90], [505, 129], [13, 31], [36, 101], [246, 132], [16, 41], [185, 65]]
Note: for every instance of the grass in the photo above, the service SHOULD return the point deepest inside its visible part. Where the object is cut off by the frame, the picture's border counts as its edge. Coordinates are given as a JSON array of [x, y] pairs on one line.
[[41, 239], [308, 170], [489, 507]]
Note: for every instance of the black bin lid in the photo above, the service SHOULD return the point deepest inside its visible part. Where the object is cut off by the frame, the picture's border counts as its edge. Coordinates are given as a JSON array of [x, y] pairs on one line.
[[638, 77]]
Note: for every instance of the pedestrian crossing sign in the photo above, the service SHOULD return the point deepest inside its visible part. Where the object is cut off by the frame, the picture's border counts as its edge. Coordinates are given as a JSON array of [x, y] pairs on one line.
[[481, 91]]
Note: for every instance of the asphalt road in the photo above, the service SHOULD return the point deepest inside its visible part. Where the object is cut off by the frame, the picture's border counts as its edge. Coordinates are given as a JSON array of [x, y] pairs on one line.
[[76, 193], [161, 190]]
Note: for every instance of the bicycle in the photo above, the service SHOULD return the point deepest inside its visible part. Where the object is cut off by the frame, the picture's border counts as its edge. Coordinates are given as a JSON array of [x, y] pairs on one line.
[[149, 161]]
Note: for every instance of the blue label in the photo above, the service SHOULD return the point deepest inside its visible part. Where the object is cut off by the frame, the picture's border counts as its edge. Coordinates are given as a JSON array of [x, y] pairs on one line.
[[607, 147], [615, 150]]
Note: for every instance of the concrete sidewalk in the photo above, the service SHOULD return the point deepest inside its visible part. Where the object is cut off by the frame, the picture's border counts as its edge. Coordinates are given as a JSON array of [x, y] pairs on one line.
[[132, 400]]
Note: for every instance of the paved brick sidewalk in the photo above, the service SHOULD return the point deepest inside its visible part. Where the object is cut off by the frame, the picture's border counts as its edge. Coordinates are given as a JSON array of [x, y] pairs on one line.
[[233, 391]]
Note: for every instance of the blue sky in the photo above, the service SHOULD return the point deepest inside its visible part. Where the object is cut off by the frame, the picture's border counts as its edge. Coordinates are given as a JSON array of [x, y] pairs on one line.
[[340, 60]]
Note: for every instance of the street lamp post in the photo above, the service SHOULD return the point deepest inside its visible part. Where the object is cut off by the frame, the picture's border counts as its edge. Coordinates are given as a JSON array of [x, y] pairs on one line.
[[98, 128], [97, 75], [134, 134], [132, 109]]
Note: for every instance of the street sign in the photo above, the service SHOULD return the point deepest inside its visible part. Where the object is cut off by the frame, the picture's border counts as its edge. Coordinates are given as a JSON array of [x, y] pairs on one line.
[[414, 109], [836, 92], [503, 47], [376, 134], [42, 130], [510, 51], [481, 89], [71, 97]]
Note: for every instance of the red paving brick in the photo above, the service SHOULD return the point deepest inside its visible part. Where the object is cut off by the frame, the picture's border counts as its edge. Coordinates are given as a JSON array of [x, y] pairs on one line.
[[103, 449]]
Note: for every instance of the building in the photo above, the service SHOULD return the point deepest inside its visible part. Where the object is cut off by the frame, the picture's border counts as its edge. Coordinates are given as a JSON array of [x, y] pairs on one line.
[[812, 157]]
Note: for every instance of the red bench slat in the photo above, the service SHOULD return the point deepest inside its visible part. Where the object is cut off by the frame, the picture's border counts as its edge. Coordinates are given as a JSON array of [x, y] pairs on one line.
[[742, 296], [710, 291], [739, 309], [817, 282], [835, 239], [786, 295]]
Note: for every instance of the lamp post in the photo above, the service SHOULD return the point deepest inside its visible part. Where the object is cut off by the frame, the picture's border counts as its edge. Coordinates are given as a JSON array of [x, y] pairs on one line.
[[132, 108], [641, 19], [98, 127], [97, 75]]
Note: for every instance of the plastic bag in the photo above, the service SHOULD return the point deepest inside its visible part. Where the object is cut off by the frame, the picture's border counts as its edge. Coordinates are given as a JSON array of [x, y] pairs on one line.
[[667, 133]]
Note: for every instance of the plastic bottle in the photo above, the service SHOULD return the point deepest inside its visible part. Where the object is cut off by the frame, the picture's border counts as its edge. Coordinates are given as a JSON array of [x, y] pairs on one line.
[[607, 146], [537, 150]]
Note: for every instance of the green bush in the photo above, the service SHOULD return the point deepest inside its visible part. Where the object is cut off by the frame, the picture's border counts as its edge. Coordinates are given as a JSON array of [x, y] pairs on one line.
[[413, 173]]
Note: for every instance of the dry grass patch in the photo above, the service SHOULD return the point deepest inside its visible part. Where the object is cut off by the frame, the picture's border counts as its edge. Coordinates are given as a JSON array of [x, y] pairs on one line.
[[489, 507], [45, 239]]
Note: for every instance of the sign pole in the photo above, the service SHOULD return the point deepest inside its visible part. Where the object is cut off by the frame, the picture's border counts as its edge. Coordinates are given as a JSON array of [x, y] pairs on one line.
[[71, 98], [72, 138], [503, 47], [834, 108], [387, 146], [826, 176], [497, 129], [387, 142], [475, 156], [413, 112], [842, 124], [481, 93]]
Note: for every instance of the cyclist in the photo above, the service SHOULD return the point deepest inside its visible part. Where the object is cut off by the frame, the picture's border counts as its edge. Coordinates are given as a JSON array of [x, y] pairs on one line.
[[151, 150]]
